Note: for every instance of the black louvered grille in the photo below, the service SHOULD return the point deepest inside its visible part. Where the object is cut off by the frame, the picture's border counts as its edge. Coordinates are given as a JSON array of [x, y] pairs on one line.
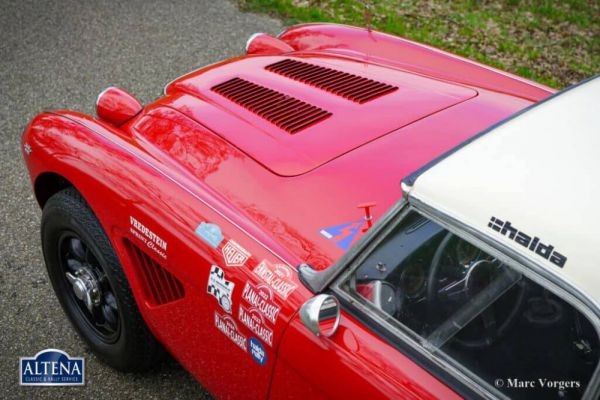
[[160, 285], [287, 112], [349, 86]]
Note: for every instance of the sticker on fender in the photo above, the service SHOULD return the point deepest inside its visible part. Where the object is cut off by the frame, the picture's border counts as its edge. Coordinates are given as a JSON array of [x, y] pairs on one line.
[[220, 288], [210, 233], [257, 351], [149, 238], [234, 254], [277, 276], [228, 327], [261, 298], [254, 320]]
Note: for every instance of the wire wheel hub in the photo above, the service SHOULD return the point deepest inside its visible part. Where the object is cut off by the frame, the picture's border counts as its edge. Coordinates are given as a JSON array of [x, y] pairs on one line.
[[86, 287], [91, 290]]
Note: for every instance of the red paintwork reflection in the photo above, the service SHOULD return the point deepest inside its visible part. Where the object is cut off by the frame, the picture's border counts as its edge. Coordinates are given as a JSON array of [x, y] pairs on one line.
[[293, 210], [350, 125], [352, 364], [117, 106], [266, 44], [348, 41], [181, 138]]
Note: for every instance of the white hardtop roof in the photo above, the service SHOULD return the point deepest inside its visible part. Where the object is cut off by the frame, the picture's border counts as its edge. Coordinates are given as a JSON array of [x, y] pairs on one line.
[[538, 171]]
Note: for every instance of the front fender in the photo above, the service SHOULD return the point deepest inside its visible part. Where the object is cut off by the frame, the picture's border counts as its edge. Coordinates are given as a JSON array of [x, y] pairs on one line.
[[58, 144]]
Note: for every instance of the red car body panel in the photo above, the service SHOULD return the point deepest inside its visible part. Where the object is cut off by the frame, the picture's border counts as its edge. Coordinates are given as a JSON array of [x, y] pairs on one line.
[[377, 47], [353, 364], [294, 154], [117, 106], [193, 156], [261, 43]]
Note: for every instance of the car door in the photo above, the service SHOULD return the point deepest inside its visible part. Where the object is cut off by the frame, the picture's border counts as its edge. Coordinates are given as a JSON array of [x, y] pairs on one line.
[[354, 363]]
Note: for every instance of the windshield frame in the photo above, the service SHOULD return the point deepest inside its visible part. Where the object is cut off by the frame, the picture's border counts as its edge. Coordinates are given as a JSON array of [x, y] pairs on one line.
[[347, 265]]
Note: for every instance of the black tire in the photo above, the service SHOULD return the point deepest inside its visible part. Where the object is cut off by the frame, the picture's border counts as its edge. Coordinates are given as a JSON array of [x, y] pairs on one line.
[[128, 345]]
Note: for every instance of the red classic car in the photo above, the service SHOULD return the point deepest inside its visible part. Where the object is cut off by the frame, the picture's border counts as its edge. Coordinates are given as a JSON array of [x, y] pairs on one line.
[[251, 222]]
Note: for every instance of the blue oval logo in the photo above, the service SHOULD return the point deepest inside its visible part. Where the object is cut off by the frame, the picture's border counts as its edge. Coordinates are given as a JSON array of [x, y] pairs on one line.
[[52, 367], [257, 351]]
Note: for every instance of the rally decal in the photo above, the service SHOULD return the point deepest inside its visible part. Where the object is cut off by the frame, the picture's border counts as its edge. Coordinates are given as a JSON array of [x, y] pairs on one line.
[[277, 276], [210, 233], [344, 234], [220, 288], [228, 327], [261, 297], [234, 254], [257, 351], [255, 321], [149, 238]]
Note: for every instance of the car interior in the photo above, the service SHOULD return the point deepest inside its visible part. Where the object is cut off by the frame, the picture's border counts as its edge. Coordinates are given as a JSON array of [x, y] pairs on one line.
[[478, 313]]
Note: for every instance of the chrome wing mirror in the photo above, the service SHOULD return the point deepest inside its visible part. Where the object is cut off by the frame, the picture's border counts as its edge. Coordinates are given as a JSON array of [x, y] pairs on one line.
[[321, 314]]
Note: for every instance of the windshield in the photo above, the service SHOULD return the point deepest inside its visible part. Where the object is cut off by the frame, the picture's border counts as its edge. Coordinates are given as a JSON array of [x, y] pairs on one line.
[[472, 310]]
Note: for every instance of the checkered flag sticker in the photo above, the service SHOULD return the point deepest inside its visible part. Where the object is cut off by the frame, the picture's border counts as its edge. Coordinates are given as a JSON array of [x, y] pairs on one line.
[[220, 288]]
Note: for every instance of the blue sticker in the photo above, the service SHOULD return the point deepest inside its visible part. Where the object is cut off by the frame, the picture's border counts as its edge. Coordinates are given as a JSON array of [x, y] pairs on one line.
[[257, 351], [211, 234], [52, 367], [343, 235]]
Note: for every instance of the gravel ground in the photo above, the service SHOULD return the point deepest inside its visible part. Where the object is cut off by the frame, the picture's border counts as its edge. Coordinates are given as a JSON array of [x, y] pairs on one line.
[[60, 55]]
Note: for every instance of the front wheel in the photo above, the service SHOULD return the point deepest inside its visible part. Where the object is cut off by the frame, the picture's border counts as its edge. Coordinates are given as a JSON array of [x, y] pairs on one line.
[[91, 286]]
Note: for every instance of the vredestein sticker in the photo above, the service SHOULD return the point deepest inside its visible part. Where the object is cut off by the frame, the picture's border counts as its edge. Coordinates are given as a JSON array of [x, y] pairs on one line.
[[228, 327], [149, 238], [277, 276], [257, 351]]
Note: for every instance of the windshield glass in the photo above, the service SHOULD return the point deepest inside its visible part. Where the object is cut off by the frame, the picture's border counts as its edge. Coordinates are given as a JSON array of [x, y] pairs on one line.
[[476, 312]]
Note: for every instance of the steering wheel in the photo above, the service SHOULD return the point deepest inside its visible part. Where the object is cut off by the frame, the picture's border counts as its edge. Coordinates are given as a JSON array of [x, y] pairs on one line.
[[470, 274]]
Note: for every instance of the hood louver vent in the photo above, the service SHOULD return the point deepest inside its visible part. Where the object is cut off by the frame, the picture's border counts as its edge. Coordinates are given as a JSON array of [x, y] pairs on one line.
[[160, 285], [349, 86], [288, 113]]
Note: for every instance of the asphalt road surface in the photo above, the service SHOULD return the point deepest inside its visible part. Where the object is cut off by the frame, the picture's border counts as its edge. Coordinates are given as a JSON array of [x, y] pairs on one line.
[[60, 55]]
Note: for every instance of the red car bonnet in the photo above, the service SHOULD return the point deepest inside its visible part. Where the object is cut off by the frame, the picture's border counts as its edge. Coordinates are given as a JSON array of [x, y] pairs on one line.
[[351, 150], [347, 104]]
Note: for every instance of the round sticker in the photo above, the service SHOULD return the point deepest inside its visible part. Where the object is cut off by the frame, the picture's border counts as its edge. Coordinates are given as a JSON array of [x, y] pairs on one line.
[[257, 351]]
